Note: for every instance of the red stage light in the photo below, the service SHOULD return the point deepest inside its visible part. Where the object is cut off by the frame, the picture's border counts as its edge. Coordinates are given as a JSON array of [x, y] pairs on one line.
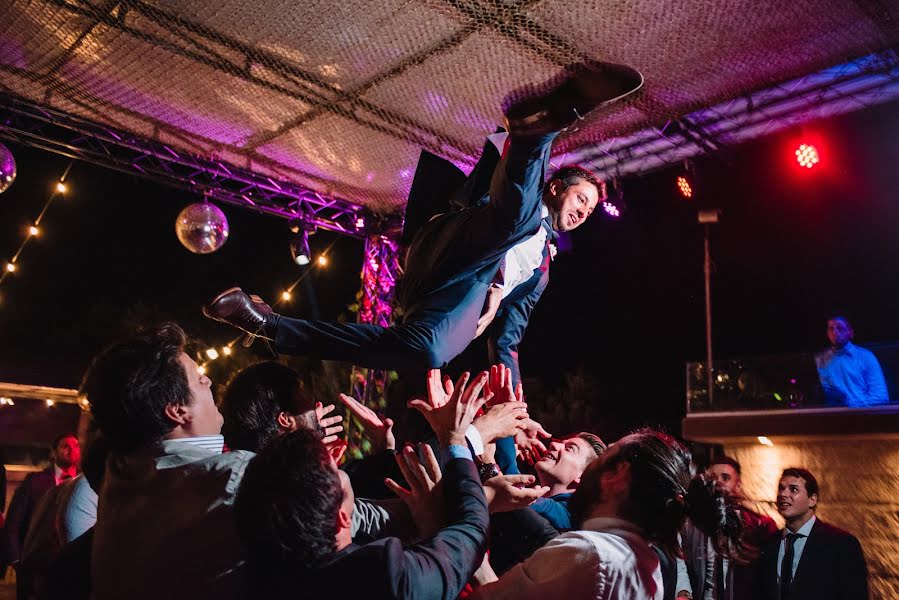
[[807, 156], [684, 186]]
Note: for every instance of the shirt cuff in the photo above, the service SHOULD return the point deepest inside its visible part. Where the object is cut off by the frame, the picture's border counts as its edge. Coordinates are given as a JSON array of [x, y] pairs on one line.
[[474, 438], [451, 452]]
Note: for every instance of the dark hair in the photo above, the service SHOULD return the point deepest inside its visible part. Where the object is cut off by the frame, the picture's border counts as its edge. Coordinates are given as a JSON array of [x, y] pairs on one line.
[[571, 175], [93, 465], [727, 460], [130, 383], [839, 317], [287, 504], [664, 492], [595, 441], [255, 397], [60, 438], [811, 484]]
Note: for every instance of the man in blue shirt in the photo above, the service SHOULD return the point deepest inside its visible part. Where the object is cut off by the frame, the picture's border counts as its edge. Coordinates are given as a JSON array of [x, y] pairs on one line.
[[849, 374]]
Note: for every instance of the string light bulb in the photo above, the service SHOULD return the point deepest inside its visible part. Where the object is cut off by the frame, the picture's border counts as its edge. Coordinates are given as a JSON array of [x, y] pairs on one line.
[[10, 267], [285, 295], [34, 231], [226, 350], [212, 353], [61, 187], [50, 402], [201, 369], [322, 260]]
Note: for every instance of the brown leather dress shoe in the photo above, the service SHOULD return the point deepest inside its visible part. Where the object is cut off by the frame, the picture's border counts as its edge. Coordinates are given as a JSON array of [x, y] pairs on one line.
[[583, 88], [248, 313]]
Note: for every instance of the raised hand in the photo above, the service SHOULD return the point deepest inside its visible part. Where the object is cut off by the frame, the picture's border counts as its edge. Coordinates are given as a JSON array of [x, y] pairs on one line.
[[500, 388], [527, 439], [450, 420], [440, 389], [328, 424], [424, 498], [503, 420], [504, 494], [379, 432], [491, 306]]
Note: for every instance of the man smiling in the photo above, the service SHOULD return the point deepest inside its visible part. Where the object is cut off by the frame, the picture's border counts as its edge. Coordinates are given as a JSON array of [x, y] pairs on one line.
[[482, 266]]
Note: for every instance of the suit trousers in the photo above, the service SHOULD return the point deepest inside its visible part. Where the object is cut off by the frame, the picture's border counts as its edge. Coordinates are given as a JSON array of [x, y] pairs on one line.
[[449, 267]]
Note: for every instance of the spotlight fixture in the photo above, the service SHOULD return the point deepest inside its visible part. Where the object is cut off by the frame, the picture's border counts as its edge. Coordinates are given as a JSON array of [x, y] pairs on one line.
[[807, 156], [299, 248], [684, 187]]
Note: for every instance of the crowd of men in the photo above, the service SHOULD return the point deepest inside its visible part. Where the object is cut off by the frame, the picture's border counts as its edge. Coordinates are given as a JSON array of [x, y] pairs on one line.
[[252, 498]]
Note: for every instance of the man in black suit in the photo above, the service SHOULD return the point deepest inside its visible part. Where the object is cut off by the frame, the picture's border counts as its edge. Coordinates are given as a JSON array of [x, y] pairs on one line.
[[709, 574], [65, 456], [294, 510], [484, 265], [809, 560]]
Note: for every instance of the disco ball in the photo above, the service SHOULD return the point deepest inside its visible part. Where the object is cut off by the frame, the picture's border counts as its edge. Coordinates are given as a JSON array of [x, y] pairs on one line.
[[202, 228], [7, 168]]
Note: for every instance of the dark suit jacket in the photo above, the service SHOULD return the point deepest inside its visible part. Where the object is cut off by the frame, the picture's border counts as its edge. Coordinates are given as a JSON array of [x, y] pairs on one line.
[[832, 567], [462, 248], [757, 529], [23, 503], [437, 568]]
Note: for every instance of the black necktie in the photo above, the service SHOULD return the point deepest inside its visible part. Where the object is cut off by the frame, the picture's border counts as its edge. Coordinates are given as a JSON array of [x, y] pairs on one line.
[[786, 566], [719, 577]]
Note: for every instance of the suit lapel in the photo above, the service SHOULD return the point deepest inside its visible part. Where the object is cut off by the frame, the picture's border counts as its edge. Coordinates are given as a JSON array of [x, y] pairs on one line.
[[809, 559]]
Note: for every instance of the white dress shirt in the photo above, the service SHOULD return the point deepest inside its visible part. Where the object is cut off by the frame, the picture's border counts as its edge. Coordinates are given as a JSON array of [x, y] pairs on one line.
[[607, 560], [524, 258], [798, 545]]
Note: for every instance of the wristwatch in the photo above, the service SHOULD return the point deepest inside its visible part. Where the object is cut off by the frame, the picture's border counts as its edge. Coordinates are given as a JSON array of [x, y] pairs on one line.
[[488, 471]]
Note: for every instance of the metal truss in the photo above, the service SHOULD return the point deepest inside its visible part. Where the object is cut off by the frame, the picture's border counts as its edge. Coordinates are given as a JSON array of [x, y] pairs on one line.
[[48, 129], [380, 270], [868, 81]]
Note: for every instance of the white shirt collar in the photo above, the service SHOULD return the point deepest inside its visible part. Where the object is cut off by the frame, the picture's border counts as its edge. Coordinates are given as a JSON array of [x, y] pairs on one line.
[[213, 443], [610, 524], [805, 530]]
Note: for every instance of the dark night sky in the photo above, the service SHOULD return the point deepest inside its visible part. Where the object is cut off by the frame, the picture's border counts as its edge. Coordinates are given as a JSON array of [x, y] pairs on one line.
[[627, 304]]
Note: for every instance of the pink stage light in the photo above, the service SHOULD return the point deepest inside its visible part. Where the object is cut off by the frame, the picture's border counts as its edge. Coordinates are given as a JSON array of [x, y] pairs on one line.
[[611, 209], [807, 156]]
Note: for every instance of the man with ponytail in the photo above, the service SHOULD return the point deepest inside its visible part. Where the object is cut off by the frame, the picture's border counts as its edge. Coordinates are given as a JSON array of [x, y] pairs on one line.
[[637, 494]]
